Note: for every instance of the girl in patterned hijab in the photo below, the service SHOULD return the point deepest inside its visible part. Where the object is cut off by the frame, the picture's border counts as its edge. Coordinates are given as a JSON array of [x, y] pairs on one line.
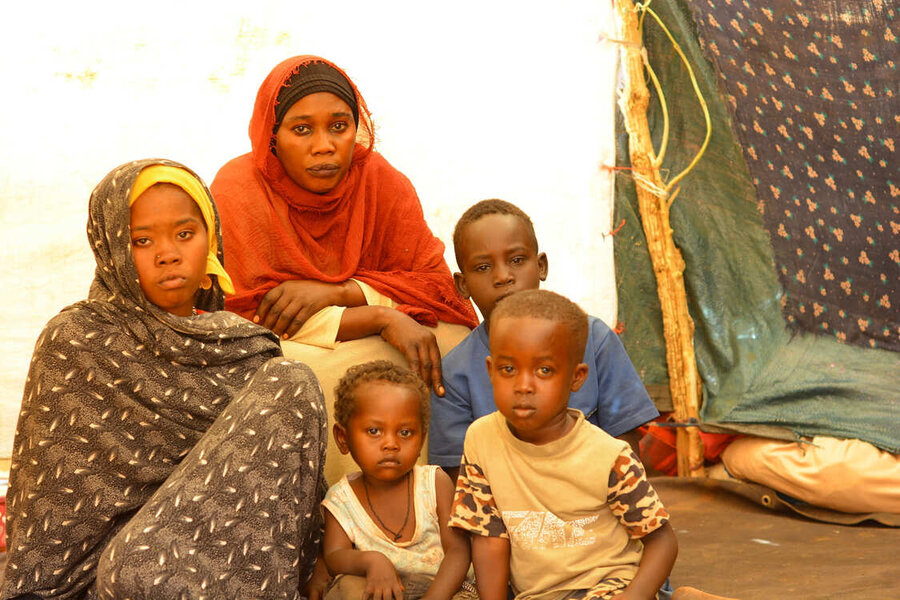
[[160, 452]]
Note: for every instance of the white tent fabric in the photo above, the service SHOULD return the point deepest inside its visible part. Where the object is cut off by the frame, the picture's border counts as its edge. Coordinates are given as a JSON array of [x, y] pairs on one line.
[[472, 100]]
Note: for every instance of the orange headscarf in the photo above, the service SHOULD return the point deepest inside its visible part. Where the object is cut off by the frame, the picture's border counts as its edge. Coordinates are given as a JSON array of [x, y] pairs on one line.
[[370, 227]]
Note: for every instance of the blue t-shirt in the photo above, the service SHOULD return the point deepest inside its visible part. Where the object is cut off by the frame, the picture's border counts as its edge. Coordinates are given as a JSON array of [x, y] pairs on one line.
[[612, 397]]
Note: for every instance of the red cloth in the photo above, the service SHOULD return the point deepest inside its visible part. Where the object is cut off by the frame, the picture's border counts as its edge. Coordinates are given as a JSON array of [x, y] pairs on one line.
[[658, 445], [370, 227]]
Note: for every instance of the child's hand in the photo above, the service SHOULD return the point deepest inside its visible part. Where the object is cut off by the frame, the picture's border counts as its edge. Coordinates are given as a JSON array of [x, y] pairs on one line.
[[317, 585], [627, 594], [382, 581]]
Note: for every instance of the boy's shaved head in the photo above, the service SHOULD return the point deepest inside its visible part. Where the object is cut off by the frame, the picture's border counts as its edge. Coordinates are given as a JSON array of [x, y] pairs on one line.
[[544, 304], [490, 207]]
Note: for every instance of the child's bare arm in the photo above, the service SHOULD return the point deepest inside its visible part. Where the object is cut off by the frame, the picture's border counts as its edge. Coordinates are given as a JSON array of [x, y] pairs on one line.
[[452, 473], [382, 581], [660, 550], [490, 556], [455, 542], [633, 438]]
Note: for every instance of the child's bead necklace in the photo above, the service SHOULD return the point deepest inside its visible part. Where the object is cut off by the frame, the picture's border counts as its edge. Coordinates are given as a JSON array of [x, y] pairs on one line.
[[397, 534]]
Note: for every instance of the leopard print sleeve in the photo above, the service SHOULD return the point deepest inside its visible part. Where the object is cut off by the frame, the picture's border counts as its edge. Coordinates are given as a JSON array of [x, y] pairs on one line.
[[473, 507], [631, 497]]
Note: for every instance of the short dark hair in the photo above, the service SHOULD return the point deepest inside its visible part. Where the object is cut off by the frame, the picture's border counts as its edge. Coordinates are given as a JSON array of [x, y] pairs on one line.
[[372, 372], [493, 206], [544, 304]]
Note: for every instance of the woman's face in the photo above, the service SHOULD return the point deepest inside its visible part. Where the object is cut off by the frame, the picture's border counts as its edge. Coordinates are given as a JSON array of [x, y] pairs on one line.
[[170, 244], [315, 141]]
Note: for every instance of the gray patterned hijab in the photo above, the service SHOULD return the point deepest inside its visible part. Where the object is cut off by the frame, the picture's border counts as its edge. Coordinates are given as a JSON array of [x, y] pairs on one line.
[[116, 277], [118, 392]]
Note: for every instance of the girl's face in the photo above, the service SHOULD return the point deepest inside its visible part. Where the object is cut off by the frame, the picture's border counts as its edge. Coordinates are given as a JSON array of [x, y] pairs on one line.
[[315, 141], [385, 433], [169, 243]]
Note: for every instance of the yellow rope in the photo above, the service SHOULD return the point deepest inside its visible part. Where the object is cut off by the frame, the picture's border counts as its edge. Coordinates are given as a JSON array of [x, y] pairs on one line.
[[641, 7], [657, 162], [645, 9]]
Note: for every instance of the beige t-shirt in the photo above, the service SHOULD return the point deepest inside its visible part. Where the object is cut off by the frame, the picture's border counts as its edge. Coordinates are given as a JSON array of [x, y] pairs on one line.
[[573, 509]]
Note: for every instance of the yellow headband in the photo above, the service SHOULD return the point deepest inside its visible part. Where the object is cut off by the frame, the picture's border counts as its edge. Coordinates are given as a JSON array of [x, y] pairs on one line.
[[192, 186]]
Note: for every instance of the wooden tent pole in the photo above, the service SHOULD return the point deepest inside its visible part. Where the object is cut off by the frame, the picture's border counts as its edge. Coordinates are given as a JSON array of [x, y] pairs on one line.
[[668, 264]]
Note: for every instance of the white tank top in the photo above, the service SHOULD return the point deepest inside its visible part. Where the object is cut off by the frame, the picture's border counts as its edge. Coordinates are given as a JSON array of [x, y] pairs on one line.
[[421, 555]]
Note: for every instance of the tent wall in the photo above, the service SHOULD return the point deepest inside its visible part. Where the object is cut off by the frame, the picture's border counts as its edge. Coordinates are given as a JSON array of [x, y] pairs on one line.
[[757, 375], [466, 97]]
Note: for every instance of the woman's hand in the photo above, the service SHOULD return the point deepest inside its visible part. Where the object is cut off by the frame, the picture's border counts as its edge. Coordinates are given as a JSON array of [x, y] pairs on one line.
[[382, 581], [286, 307], [418, 345]]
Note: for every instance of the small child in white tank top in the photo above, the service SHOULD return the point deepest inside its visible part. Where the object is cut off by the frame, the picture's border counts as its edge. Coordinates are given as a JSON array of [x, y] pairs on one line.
[[386, 531]]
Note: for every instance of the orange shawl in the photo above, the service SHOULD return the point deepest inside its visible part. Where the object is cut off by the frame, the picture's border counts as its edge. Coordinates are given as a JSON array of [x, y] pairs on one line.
[[370, 227]]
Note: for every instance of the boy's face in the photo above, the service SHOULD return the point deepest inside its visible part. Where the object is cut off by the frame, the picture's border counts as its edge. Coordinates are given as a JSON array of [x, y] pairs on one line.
[[497, 257], [533, 371], [384, 434]]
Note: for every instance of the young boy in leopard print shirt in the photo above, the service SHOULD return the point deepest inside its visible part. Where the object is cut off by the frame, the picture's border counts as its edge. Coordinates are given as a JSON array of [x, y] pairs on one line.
[[555, 506]]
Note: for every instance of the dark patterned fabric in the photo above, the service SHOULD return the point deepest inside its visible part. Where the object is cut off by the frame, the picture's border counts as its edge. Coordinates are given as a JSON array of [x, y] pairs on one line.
[[189, 437], [758, 376], [814, 92], [240, 516], [474, 509], [632, 499]]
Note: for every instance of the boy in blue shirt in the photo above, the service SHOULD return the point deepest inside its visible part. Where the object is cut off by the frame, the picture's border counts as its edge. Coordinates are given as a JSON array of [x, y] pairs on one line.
[[497, 254]]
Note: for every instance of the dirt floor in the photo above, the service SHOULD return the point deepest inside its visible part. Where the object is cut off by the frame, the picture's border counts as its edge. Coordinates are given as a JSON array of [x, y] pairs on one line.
[[731, 546]]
